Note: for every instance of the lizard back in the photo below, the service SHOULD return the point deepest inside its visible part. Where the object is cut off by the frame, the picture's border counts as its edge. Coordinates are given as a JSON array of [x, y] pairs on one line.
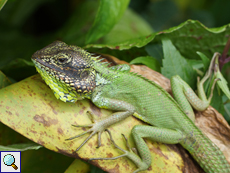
[[156, 107]]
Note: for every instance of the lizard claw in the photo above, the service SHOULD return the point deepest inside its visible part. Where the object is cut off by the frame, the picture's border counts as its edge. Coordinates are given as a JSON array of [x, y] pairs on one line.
[[85, 141], [88, 131], [90, 125], [78, 135]]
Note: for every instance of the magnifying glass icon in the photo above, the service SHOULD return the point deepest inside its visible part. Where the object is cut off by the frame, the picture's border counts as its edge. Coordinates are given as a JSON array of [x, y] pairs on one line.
[[9, 160]]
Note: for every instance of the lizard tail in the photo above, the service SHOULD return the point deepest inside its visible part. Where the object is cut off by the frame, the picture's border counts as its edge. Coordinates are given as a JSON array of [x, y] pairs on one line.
[[206, 153]]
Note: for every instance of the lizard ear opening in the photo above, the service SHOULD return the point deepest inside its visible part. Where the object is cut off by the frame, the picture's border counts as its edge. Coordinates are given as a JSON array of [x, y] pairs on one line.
[[84, 74]]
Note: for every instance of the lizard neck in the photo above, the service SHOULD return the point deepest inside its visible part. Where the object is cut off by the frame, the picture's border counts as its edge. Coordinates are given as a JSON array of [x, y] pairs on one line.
[[104, 74]]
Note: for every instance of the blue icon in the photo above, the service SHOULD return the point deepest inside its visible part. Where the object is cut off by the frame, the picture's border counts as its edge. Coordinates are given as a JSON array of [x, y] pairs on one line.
[[9, 160]]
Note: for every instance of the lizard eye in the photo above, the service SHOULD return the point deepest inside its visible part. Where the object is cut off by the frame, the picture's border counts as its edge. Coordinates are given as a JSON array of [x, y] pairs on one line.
[[62, 59]]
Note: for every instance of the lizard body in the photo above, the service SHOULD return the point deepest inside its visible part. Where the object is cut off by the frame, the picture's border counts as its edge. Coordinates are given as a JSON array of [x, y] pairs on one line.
[[73, 74]]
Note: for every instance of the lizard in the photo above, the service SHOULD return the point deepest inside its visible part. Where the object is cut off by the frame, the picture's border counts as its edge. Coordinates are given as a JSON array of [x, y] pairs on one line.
[[74, 74]]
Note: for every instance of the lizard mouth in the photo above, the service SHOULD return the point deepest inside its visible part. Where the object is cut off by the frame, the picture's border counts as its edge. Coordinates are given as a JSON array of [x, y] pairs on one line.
[[45, 66], [58, 71]]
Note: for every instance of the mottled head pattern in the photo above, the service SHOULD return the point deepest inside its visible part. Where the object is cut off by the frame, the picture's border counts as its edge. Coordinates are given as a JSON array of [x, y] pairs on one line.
[[67, 70]]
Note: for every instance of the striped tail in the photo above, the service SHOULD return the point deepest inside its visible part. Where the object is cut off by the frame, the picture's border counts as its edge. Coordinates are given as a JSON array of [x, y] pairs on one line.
[[206, 153]]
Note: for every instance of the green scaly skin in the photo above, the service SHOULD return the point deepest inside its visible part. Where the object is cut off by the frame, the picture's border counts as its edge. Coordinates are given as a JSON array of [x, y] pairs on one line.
[[73, 74]]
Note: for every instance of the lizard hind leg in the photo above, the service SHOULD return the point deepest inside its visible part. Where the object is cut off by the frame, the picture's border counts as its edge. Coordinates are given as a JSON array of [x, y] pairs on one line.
[[186, 97], [200, 83], [139, 132]]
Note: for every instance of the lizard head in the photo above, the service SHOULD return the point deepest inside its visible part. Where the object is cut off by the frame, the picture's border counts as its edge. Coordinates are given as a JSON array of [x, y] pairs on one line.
[[68, 70]]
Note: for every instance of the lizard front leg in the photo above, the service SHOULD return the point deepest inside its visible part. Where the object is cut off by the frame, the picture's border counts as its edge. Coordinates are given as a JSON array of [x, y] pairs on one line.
[[123, 109]]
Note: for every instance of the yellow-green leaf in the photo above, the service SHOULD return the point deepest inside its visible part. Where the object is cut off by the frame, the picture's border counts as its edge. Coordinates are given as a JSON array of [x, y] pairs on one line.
[[4, 81], [2, 3], [78, 166], [30, 108]]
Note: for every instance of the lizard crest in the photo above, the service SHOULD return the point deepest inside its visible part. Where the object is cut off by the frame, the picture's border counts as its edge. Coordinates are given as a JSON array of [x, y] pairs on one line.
[[68, 70]]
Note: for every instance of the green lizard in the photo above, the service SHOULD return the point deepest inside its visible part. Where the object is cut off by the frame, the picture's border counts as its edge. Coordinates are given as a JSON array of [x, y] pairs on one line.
[[73, 74]]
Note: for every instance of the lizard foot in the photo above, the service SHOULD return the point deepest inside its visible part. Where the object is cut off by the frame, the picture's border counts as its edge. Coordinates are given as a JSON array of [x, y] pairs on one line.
[[130, 154], [116, 146], [212, 68], [96, 127]]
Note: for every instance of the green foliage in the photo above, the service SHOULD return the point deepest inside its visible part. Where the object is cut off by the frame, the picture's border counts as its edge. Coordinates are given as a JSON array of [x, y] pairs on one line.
[[125, 29], [205, 60], [148, 61], [109, 13], [175, 64], [179, 46], [188, 37], [20, 147], [222, 83]]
